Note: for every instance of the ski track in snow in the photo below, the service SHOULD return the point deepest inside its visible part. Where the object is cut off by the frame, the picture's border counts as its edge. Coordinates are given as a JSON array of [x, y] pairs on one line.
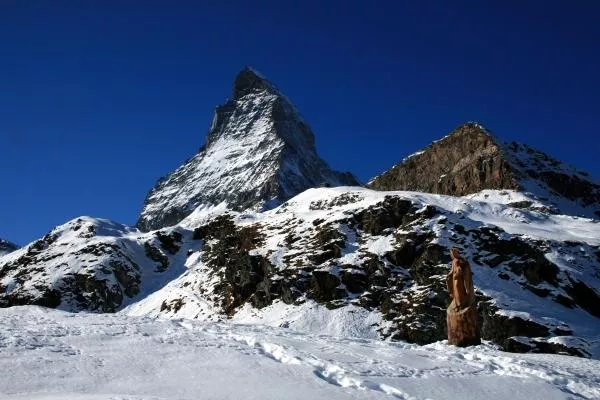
[[48, 354]]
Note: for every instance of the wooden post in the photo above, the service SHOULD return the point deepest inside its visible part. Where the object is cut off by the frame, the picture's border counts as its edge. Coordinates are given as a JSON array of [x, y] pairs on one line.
[[462, 325]]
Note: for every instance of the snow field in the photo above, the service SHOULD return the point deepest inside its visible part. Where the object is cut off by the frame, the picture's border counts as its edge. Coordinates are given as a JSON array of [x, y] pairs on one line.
[[49, 354]]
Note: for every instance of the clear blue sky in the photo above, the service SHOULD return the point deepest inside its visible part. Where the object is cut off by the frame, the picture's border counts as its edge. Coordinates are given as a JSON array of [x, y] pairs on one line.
[[98, 99]]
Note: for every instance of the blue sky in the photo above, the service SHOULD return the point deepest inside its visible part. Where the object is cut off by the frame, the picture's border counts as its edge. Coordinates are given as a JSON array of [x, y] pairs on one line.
[[98, 99]]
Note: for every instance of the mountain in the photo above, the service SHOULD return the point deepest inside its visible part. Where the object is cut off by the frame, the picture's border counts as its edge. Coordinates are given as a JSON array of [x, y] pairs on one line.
[[220, 242], [7, 247], [380, 259], [374, 260], [258, 153], [470, 159], [91, 264]]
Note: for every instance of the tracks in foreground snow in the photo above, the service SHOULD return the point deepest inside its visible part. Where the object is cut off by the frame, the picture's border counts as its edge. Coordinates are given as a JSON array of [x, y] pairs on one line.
[[49, 355]]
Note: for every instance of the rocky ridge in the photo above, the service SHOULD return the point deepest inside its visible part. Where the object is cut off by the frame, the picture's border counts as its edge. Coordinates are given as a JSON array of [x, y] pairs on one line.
[[389, 253], [259, 152], [471, 159]]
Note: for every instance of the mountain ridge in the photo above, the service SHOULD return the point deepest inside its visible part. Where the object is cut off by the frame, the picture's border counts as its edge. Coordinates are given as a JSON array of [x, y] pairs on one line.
[[471, 159], [243, 232]]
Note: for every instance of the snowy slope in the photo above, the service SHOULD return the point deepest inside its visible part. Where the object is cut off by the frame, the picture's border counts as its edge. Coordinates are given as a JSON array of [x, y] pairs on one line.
[[91, 264], [259, 152], [50, 355], [377, 259], [561, 186], [385, 253]]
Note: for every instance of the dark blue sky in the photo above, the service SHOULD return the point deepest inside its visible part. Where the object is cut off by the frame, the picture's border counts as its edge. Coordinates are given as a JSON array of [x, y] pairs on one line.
[[98, 99]]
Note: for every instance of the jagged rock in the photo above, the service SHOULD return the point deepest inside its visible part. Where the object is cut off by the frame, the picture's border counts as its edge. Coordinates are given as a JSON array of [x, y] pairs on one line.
[[328, 245], [432, 261], [259, 152], [171, 242], [470, 159], [532, 345], [241, 276], [584, 296], [466, 161], [417, 314], [499, 328], [388, 214], [355, 281], [156, 255], [325, 286]]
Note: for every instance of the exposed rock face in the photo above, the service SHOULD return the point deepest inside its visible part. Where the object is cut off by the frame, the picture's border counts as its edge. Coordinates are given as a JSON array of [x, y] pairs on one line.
[[470, 159], [258, 153], [464, 162], [7, 247]]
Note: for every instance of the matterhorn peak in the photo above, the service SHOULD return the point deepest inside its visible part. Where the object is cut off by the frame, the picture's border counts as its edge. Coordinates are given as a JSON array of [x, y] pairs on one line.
[[249, 81], [259, 152]]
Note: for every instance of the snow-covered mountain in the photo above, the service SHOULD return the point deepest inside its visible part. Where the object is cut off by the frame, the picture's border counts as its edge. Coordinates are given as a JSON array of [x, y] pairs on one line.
[[91, 264], [258, 153], [244, 232], [7, 247], [374, 259], [471, 159], [383, 257]]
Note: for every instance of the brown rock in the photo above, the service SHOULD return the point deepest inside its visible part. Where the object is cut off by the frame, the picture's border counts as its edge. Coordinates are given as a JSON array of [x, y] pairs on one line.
[[467, 161], [470, 159]]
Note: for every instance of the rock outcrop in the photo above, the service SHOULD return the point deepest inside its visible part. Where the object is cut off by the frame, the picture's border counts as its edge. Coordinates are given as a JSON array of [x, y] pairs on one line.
[[470, 159], [259, 152]]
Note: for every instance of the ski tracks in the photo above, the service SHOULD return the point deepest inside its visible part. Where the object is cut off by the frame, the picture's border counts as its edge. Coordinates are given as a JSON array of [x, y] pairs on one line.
[[328, 371]]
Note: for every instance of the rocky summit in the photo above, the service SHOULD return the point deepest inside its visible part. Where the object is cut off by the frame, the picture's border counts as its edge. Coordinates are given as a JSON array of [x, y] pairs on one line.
[[259, 152], [471, 159]]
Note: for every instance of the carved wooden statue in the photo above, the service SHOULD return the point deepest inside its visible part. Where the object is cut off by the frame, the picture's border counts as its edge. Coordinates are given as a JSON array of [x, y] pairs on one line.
[[461, 315]]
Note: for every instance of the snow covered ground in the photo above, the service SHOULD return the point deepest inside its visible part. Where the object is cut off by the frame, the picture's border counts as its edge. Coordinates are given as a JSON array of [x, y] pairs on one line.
[[48, 354]]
